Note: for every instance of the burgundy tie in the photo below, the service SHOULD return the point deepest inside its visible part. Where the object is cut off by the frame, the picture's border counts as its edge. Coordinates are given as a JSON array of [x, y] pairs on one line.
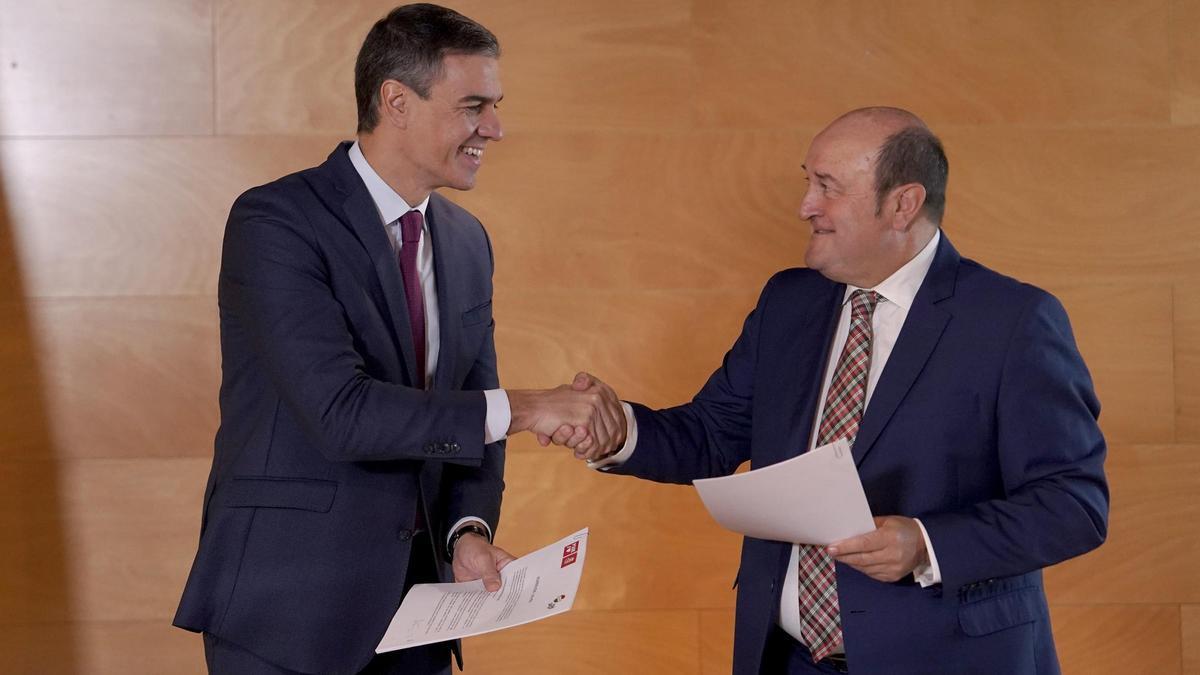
[[410, 237], [820, 616]]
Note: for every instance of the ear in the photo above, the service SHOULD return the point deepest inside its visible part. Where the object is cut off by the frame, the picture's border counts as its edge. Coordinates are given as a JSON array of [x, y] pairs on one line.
[[394, 98], [905, 205]]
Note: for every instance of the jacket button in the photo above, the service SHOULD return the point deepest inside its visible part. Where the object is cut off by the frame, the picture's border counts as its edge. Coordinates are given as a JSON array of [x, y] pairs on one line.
[[404, 535]]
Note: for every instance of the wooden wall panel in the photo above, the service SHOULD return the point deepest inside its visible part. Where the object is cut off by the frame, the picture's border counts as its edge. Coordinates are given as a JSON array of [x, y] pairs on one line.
[[1185, 61], [1125, 336], [1187, 361], [608, 210], [591, 643], [769, 64], [152, 225], [1055, 206], [119, 67], [129, 530], [716, 642], [1152, 552], [1190, 616], [101, 648], [129, 377], [298, 78], [631, 340], [651, 546], [24, 426], [1117, 639]]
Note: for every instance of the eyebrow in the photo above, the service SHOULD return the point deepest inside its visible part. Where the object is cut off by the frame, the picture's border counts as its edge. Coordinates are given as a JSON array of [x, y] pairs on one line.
[[821, 176], [477, 98]]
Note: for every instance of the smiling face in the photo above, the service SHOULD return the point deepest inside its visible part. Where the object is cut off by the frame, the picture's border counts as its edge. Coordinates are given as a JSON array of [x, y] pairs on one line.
[[851, 241], [442, 138]]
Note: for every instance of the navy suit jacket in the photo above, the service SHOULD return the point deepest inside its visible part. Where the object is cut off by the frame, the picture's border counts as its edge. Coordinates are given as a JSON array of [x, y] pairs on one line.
[[325, 452], [982, 424]]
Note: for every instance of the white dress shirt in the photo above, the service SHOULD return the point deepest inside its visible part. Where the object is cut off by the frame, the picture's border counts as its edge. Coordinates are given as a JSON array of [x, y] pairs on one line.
[[390, 207], [896, 297]]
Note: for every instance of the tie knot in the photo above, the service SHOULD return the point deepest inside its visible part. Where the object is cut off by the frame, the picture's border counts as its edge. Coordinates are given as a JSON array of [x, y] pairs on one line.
[[862, 304], [410, 227]]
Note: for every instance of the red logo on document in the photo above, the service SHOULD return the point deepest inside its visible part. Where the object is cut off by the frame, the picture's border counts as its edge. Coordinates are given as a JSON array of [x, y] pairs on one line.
[[570, 554]]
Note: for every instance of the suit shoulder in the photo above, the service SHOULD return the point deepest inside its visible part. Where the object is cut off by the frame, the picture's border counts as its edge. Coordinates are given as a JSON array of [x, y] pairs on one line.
[[798, 282], [988, 288], [453, 215]]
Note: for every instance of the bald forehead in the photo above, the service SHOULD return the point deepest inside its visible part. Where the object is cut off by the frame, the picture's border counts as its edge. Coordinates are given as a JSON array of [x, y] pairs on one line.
[[860, 133]]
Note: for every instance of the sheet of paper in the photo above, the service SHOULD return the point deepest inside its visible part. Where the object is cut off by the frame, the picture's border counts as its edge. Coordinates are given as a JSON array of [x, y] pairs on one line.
[[533, 587], [815, 498]]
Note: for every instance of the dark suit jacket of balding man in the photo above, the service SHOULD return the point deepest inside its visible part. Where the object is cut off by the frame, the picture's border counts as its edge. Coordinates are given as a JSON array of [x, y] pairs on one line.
[[982, 424], [325, 451]]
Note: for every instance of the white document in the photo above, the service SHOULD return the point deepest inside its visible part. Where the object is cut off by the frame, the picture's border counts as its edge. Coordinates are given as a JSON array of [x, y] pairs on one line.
[[815, 498], [533, 587]]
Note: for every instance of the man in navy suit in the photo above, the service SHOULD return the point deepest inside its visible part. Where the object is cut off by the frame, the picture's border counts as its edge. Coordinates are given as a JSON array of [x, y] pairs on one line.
[[971, 414], [361, 441]]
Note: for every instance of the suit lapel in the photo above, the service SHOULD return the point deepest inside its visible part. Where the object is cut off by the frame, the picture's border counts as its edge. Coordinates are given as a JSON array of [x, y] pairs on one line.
[[357, 211], [441, 232], [920, 334], [811, 335]]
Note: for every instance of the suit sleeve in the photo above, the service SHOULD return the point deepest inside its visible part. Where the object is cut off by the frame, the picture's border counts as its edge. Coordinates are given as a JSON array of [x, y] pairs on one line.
[[710, 436], [1051, 456], [276, 296]]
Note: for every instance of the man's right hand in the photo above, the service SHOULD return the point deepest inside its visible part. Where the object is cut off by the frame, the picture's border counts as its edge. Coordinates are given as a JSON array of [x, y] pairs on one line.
[[585, 416]]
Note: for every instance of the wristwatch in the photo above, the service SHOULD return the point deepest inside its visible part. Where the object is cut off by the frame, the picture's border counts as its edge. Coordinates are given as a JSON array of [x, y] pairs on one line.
[[469, 528]]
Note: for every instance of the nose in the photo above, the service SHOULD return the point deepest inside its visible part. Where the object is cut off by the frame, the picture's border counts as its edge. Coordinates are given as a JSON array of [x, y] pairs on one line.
[[490, 127], [809, 204]]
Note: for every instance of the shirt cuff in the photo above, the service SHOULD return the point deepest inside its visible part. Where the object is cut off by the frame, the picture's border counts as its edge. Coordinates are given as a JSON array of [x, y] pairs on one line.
[[499, 416], [626, 450], [464, 521], [927, 574]]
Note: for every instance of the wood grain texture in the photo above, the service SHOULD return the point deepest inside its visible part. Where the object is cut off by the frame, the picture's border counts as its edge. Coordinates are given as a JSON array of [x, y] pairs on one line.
[[1185, 61], [113, 67], [1100, 639], [100, 648], [1057, 206], [119, 377], [716, 642], [129, 529], [655, 347], [610, 210], [1125, 335], [288, 68], [135, 216], [767, 64], [1152, 552], [652, 546], [591, 643], [1187, 361], [1190, 617]]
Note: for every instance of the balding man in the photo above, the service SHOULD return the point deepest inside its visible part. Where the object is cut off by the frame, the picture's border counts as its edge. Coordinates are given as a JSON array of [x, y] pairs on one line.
[[971, 413]]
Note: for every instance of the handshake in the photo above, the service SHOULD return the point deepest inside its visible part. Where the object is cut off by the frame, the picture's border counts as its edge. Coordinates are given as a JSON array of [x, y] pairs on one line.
[[585, 416]]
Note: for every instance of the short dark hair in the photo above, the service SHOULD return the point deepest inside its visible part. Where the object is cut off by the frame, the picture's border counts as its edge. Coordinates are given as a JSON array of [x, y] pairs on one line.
[[408, 45], [913, 155]]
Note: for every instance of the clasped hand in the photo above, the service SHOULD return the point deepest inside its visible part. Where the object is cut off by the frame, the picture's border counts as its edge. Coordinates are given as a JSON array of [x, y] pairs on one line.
[[585, 416]]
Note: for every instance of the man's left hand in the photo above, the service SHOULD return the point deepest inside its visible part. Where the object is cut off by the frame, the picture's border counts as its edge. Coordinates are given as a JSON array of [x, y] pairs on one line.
[[892, 551], [475, 558]]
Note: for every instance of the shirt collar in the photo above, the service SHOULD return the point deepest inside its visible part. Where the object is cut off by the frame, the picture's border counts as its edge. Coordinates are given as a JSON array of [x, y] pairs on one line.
[[902, 286], [389, 204]]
